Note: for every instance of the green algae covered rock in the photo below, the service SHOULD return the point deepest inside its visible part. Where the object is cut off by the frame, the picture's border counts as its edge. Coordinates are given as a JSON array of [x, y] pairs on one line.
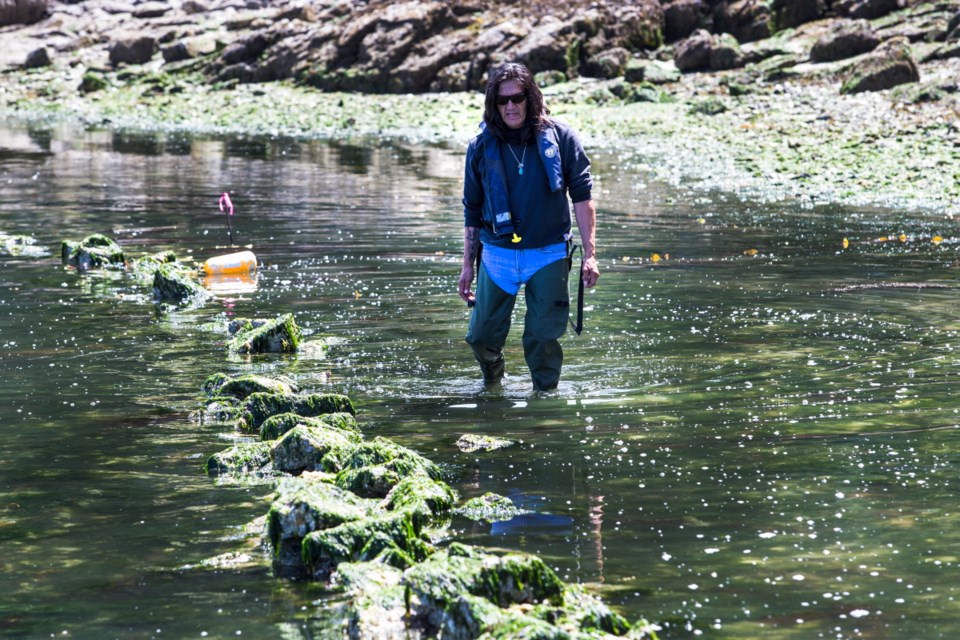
[[242, 386], [275, 426], [93, 252], [460, 591], [490, 507], [303, 447], [21, 245], [280, 335], [393, 538], [172, 282], [300, 508], [422, 495], [243, 458], [377, 607], [261, 405], [372, 469], [143, 268]]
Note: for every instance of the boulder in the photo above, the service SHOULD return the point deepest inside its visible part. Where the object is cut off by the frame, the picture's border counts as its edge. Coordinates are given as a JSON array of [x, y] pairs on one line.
[[610, 63], [703, 51], [683, 17], [188, 49], [746, 20], [652, 71], [133, 48], [889, 65], [845, 39], [37, 58], [22, 11], [93, 252], [693, 54], [788, 14], [471, 442], [865, 9]]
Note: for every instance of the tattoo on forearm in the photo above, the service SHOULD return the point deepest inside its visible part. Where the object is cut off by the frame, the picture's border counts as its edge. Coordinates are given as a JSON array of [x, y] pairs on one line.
[[472, 238]]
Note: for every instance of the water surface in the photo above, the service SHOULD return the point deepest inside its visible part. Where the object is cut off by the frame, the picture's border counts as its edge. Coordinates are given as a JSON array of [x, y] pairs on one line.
[[755, 436]]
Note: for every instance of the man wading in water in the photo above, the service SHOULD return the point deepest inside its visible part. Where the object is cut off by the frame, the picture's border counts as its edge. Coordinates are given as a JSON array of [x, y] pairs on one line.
[[519, 171]]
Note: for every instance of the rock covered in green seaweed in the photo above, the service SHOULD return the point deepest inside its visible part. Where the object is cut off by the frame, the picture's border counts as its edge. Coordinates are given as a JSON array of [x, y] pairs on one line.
[[394, 538], [275, 426], [373, 469], [93, 252], [303, 448], [301, 507], [490, 507], [220, 384], [243, 458], [466, 592], [421, 494], [261, 405], [280, 335], [173, 282], [143, 268]]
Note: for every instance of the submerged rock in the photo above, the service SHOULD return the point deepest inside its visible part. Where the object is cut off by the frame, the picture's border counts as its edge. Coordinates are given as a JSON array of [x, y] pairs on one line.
[[93, 252], [144, 267], [261, 405], [490, 507], [470, 442], [20, 245], [281, 335]]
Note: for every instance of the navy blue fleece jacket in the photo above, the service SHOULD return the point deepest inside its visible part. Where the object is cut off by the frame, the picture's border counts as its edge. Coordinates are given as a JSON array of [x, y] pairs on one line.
[[537, 199]]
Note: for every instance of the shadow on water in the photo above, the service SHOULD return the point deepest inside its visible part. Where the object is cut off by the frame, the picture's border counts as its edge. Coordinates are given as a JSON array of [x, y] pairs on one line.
[[755, 435]]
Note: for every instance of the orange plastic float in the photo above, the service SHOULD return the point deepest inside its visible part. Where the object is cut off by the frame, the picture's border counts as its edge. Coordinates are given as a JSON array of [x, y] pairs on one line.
[[231, 263]]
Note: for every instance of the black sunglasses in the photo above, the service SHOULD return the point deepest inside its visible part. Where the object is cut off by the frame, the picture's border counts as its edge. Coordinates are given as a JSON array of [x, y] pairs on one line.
[[517, 98]]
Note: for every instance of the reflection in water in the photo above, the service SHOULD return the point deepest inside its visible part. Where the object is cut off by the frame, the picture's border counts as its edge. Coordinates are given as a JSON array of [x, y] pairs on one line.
[[743, 444]]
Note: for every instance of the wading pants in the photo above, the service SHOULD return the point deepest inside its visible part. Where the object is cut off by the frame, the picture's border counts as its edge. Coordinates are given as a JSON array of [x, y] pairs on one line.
[[548, 308]]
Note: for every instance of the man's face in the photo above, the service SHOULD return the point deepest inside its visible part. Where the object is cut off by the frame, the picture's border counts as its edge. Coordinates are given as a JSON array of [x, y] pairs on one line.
[[514, 115]]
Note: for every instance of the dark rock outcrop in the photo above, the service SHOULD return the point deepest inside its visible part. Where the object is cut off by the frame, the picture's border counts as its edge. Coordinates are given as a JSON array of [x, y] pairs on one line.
[[889, 65], [867, 9], [133, 48], [746, 20], [22, 11], [787, 14], [703, 51], [845, 39]]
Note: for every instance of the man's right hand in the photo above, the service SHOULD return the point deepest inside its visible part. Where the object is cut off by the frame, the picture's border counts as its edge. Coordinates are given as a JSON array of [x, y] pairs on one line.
[[464, 286]]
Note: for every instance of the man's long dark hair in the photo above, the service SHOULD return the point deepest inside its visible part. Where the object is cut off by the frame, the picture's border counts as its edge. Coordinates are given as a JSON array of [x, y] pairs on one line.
[[536, 111]]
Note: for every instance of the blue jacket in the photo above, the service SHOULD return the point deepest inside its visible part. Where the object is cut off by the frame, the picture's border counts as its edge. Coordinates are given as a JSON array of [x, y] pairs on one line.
[[536, 206]]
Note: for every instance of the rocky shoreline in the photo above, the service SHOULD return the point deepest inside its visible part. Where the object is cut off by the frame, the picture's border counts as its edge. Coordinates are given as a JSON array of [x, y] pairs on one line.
[[770, 113]]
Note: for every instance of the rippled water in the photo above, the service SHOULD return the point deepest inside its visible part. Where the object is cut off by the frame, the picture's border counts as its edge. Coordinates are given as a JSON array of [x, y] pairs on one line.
[[755, 436]]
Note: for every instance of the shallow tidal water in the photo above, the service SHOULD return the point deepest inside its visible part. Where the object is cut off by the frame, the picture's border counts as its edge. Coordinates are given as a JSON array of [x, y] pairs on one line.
[[756, 435]]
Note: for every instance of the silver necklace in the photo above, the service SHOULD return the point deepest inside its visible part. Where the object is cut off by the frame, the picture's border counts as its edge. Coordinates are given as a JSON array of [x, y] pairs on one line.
[[520, 159]]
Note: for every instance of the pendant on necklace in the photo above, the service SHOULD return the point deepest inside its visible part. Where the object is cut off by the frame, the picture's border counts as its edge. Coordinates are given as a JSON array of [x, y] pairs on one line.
[[520, 168]]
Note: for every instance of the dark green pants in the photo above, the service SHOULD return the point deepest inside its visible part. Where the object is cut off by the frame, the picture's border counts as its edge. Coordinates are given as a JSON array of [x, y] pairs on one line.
[[548, 310]]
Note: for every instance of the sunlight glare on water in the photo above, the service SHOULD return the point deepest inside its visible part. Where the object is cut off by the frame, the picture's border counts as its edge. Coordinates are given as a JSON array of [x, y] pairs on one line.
[[754, 437]]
